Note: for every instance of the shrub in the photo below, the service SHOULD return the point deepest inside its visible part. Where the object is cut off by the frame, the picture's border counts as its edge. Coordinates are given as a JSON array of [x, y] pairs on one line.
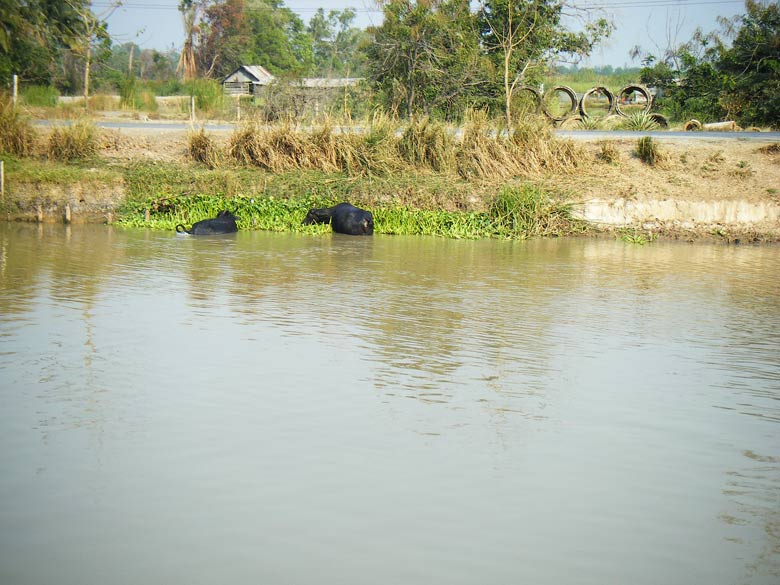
[[40, 95], [641, 121], [208, 95], [528, 211], [648, 152], [17, 136], [128, 92], [77, 141]]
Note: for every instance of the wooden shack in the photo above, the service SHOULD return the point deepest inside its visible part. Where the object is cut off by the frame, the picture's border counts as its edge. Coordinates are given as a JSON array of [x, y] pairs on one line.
[[247, 80]]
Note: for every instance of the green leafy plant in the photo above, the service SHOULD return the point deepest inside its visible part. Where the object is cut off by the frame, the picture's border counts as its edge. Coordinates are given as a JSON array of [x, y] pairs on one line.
[[641, 121], [648, 151], [528, 211], [40, 96], [635, 237], [589, 123]]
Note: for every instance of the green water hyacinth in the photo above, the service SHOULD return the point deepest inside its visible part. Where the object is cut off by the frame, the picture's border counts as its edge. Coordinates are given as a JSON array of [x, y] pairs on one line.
[[515, 213]]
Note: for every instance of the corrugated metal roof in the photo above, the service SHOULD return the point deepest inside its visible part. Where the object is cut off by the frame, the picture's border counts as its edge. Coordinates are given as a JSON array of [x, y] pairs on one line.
[[253, 73], [260, 73], [325, 82]]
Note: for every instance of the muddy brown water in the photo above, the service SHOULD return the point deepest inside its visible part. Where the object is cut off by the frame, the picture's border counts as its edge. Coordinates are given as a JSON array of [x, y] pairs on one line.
[[296, 409]]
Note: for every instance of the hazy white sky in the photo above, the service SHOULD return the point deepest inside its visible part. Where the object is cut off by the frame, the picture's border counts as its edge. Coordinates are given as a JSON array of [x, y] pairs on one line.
[[156, 24]]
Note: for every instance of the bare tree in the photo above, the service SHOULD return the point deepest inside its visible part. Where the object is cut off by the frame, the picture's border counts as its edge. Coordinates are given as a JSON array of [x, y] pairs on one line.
[[93, 29], [509, 35]]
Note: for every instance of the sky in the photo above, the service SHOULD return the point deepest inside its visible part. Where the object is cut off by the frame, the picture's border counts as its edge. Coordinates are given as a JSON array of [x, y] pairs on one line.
[[156, 24]]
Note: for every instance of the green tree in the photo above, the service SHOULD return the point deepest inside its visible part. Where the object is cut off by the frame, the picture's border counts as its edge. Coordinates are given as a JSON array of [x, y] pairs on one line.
[[33, 36], [705, 78], [223, 35], [522, 37], [426, 55], [220, 35], [336, 43], [278, 39], [751, 67]]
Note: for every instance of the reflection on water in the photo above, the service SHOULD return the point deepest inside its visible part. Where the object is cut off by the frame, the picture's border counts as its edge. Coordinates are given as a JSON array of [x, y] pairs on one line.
[[285, 408]]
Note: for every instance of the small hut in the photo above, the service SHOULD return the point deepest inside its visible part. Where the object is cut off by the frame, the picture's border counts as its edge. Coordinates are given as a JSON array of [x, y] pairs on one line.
[[247, 80]]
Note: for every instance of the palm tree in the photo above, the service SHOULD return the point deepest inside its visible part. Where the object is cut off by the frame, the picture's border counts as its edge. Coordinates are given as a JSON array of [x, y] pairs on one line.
[[189, 9]]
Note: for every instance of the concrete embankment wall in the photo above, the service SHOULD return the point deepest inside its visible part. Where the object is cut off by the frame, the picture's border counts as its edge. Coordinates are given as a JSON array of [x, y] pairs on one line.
[[682, 214]]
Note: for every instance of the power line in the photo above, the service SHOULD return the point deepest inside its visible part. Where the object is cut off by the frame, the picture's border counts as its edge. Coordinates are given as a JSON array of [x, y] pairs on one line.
[[586, 5], [136, 5], [655, 3]]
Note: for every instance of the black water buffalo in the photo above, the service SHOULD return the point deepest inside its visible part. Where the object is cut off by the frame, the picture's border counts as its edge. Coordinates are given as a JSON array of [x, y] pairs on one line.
[[344, 219], [224, 223]]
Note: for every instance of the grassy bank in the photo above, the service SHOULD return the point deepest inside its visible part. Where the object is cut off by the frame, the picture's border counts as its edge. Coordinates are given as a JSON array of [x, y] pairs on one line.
[[280, 202], [159, 196], [419, 177]]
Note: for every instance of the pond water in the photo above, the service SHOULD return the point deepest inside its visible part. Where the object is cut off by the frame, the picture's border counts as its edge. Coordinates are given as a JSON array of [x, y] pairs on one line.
[[298, 409]]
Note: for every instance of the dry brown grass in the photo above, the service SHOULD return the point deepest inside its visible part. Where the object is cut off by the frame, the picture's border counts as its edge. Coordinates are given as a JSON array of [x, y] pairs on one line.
[[529, 148], [697, 169], [77, 141], [771, 149], [202, 149], [482, 152], [538, 151], [426, 144], [17, 136], [608, 152]]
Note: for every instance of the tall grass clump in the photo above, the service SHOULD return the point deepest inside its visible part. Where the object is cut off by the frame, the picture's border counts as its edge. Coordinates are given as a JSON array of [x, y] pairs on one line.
[[128, 92], [78, 141], [202, 149], [526, 211], [285, 148], [529, 147], [648, 152], [103, 102], [483, 152], [17, 136], [278, 149], [42, 96], [427, 144], [536, 149], [608, 152], [376, 151]]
